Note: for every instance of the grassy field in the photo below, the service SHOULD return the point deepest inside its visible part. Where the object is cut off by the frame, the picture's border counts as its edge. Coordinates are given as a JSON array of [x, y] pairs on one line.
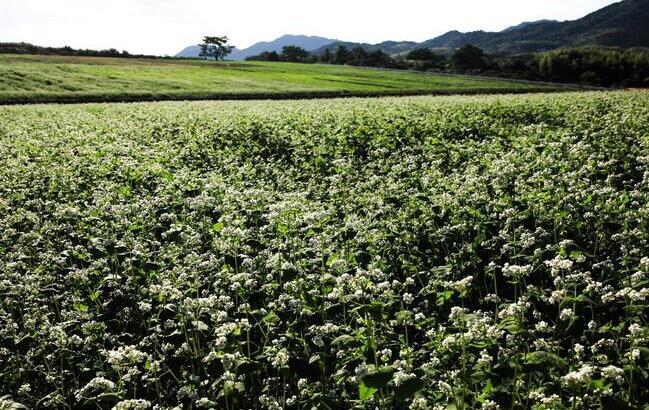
[[421, 252], [26, 79]]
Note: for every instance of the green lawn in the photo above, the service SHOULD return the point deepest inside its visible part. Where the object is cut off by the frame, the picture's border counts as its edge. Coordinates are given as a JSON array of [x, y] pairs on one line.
[[77, 79]]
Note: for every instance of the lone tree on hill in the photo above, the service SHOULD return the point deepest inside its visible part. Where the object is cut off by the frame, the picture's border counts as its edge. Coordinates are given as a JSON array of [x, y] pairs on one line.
[[215, 47]]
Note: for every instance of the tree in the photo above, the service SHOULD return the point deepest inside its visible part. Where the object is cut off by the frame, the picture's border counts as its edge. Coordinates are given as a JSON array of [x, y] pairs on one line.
[[358, 57], [294, 54], [327, 57], [421, 54], [380, 59], [265, 56], [215, 47], [342, 55], [469, 57], [425, 59]]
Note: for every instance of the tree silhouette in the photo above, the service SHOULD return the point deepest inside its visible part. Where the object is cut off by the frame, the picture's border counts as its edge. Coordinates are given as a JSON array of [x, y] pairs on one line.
[[215, 47], [469, 57]]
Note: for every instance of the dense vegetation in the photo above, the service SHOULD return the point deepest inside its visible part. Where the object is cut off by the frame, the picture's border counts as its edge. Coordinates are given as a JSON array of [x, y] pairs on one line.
[[79, 79], [597, 66], [607, 67], [442, 253]]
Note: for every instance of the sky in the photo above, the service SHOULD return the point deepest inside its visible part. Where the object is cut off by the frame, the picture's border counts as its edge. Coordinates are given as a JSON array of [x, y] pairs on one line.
[[164, 27]]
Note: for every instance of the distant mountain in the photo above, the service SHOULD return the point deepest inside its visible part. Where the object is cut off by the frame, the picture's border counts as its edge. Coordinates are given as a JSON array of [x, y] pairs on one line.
[[528, 23], [308, 43], [189, 52], [622, 24], [388, 47]]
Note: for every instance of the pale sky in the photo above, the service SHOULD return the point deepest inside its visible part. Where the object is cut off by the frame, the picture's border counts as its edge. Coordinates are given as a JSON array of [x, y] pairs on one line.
[[167, 26]]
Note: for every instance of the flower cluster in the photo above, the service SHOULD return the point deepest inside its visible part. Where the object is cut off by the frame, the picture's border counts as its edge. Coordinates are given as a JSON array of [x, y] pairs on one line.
[[422, 253]]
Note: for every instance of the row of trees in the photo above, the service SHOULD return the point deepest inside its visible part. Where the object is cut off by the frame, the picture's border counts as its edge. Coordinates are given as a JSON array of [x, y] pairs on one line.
[[466, 58], [606, 67], [590, 66], [26, 48], [356, 57], [292, 54], [211, 48]]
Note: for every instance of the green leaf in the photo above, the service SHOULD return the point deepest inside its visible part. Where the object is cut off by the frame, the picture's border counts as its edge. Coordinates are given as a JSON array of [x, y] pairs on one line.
[[488, 388], [541, 358], [343, 340], [80, 307], [597, 383], [376, 309], [125, 191], [270, 317], [218, 227], [282, 228], [442, 297], [408, 389], [576, 254], [486, 391], [536, 357], [380, 378], [511, 325], [371, 383], [331, 259], [365, 392]]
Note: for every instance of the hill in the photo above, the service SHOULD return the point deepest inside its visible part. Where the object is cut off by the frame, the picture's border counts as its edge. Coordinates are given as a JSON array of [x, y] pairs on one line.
[[388, 47], [191, 52], [528, 23], [308, 43], [87, 79], [623, 24]]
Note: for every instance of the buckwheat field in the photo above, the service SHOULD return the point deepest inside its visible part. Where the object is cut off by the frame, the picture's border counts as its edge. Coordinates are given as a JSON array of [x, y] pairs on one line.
[[399, 253]]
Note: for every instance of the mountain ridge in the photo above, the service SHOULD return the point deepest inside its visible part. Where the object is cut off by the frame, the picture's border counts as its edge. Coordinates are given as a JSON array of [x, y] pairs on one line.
[[622, 24], [309, 43]]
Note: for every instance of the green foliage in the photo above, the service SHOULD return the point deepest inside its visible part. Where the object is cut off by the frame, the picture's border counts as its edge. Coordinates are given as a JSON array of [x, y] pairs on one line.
[[469, 57], [215, 47], [597, 66], [294, 54], [422, 54], [426, 59], [374, 381], [26, 48], [456, 252]]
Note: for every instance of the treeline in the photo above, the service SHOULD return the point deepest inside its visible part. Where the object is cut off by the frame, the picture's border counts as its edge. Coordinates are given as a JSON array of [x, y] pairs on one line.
[[604, 67], [356, 57], [26, 48], [597, 66]]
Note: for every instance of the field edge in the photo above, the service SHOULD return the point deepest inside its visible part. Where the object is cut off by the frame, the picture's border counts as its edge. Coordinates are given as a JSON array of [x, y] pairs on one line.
[[83, 98]]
